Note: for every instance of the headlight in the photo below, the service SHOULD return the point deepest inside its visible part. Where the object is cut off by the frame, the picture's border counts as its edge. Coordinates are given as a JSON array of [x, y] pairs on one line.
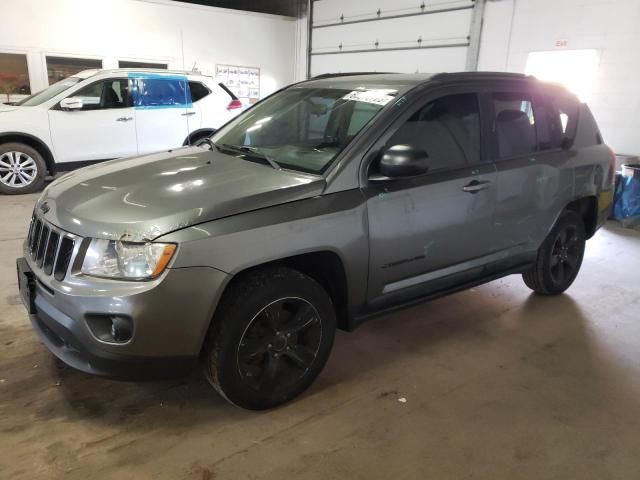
[[126, 260]]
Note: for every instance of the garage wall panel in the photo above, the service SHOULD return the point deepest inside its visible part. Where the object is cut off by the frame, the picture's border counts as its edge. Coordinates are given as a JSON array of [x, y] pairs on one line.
[[390, 35]]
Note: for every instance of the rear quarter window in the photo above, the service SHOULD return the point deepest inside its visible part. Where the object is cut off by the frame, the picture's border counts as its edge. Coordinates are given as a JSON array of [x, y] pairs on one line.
[[198, 91]]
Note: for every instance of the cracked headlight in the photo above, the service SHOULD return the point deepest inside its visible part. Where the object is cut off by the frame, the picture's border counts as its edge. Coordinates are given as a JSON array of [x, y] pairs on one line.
[[126, 260]]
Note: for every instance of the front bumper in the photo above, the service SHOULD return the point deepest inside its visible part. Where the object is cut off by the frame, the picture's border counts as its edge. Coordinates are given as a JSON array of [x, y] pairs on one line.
[[170, 317]]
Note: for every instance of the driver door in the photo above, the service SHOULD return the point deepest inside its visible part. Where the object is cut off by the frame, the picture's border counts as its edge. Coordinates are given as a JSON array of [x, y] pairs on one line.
[[104, 128], [437, 225]]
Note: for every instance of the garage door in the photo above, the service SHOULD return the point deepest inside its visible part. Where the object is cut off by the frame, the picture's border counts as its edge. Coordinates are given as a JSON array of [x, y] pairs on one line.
[[394, 35]]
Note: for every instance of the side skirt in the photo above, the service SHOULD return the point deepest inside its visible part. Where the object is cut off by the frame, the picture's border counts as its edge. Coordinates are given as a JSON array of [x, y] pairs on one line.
[[357, 320]]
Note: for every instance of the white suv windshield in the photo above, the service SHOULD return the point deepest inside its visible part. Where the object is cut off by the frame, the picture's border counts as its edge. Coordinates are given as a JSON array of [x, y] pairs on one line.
[[302, 128], [48, 93]]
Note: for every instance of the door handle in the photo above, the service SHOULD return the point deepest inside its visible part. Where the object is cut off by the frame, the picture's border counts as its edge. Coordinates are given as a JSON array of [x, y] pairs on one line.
[[188, 114], [475, 186], [124, 119]]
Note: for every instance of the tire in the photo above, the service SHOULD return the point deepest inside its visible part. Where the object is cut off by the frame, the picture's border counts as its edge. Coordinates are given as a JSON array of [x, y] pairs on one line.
[[22, 169], [559, 257], [270, 338]]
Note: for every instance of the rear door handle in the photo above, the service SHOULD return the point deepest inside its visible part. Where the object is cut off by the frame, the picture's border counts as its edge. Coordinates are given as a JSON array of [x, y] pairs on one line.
[[475, 186], [188, 114], [124, 119]]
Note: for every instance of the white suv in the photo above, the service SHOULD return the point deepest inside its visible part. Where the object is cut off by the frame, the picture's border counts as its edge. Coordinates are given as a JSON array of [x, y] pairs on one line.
[[99, 115]]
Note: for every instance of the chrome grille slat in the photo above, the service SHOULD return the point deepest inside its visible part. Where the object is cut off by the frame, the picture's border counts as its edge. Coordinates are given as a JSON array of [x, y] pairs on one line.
[[50, 248]]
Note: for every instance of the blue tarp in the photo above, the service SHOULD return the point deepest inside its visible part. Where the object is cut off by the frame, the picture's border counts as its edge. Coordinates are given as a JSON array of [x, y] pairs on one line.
[[626, 207]]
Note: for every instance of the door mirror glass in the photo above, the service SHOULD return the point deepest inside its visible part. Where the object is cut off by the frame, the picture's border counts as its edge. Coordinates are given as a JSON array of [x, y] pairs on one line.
[[71, 103], [403, 161]]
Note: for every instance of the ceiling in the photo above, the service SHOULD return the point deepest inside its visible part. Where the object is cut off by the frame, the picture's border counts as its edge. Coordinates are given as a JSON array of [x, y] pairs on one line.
[[292, 8]]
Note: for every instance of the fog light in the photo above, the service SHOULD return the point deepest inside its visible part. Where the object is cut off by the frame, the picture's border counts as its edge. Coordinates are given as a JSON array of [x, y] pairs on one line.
[[110, 328], [121, 330]]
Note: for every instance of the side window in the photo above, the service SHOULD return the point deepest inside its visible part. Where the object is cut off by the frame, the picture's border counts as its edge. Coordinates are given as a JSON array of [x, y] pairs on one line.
[[105, 94], [514, 124], [198, 91], [548, 124], [161, 91], [447, 129]]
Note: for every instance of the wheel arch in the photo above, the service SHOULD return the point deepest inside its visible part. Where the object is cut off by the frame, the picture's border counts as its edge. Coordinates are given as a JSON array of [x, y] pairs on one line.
[[196, 134], [34, 142], [324, 266], [587, 208]]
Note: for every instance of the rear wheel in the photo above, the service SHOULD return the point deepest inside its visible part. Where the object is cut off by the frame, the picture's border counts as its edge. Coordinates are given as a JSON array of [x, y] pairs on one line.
[[559, 258], [270, 339], [22, 169]]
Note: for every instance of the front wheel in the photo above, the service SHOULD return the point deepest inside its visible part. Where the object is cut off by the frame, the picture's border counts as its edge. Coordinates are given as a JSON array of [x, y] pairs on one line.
[[270, 338], [559, 258], [22, 169]]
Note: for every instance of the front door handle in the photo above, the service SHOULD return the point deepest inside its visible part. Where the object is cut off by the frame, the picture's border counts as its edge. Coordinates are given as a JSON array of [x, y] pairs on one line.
[[188, 114], [124, 119], [475, 186]]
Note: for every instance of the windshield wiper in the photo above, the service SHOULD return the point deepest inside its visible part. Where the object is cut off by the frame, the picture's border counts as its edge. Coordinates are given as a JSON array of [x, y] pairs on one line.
[[253, 151]]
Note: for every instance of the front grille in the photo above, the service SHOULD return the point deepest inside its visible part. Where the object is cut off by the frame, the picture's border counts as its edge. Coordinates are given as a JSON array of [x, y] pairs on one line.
[[51, 249]]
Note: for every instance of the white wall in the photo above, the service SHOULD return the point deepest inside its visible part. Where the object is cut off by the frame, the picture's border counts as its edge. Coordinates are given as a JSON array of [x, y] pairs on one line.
[[153, 30], [609, 26]]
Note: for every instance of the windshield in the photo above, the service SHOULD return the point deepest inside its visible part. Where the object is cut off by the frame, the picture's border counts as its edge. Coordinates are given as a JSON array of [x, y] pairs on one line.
[[48, 93], [303, 128]]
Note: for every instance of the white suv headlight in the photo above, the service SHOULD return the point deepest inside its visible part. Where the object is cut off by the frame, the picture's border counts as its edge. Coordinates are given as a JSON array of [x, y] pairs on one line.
[[126, 260]]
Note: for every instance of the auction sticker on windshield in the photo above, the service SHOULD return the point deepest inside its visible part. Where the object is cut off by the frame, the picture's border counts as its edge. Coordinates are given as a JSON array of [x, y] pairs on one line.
[[380, 96]]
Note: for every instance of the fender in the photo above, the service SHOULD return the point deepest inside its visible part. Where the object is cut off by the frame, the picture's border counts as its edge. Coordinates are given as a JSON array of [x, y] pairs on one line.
[[33, 142], [196, 134]]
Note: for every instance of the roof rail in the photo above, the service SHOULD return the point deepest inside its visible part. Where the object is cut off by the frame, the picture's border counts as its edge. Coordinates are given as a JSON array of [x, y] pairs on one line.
[[480, 75], [347, 74]]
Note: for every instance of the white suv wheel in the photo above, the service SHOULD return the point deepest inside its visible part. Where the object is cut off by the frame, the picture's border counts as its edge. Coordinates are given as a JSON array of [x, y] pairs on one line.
[[17, 169]]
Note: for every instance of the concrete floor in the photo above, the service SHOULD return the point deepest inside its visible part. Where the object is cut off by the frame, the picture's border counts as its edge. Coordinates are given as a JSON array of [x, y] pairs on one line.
[[499, 384]]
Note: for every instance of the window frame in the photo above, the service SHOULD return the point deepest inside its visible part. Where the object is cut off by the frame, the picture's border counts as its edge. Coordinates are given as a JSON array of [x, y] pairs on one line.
[[26, 57], [45, 63], [416, 104]]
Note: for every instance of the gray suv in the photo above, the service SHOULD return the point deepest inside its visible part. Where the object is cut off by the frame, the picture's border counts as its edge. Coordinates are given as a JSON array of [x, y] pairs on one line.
[[329, 202]]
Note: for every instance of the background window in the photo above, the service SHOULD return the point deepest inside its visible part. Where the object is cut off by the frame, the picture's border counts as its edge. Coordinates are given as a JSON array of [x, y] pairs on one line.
[[198, 91], [111, 93], [59, 68], [514, 124], [128, 64], [14, 75], [161, 92], [447, 129]]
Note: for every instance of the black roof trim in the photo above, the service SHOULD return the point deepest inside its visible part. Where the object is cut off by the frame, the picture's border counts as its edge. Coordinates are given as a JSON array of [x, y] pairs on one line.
[[481, 76], [347, 74]]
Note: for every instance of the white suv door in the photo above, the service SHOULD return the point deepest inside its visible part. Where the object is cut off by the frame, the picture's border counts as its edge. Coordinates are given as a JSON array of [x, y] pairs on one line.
[[103, 128], [162, 105]]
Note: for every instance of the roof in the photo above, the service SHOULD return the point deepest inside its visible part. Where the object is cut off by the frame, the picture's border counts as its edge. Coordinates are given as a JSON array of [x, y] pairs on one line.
[[386, 80], [90, 73]]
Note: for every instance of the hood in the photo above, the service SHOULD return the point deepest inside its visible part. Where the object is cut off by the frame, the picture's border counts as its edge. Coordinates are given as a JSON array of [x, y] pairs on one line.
[[7, 108], [144, 197]]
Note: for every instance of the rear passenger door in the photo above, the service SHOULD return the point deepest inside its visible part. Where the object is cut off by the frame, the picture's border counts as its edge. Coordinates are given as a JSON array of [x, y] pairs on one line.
[[531, 179], [162, 105], [437, 225]]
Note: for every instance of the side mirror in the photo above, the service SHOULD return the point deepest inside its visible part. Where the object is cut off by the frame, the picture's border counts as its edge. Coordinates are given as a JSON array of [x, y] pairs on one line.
[[71, 103], [403, 161]]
